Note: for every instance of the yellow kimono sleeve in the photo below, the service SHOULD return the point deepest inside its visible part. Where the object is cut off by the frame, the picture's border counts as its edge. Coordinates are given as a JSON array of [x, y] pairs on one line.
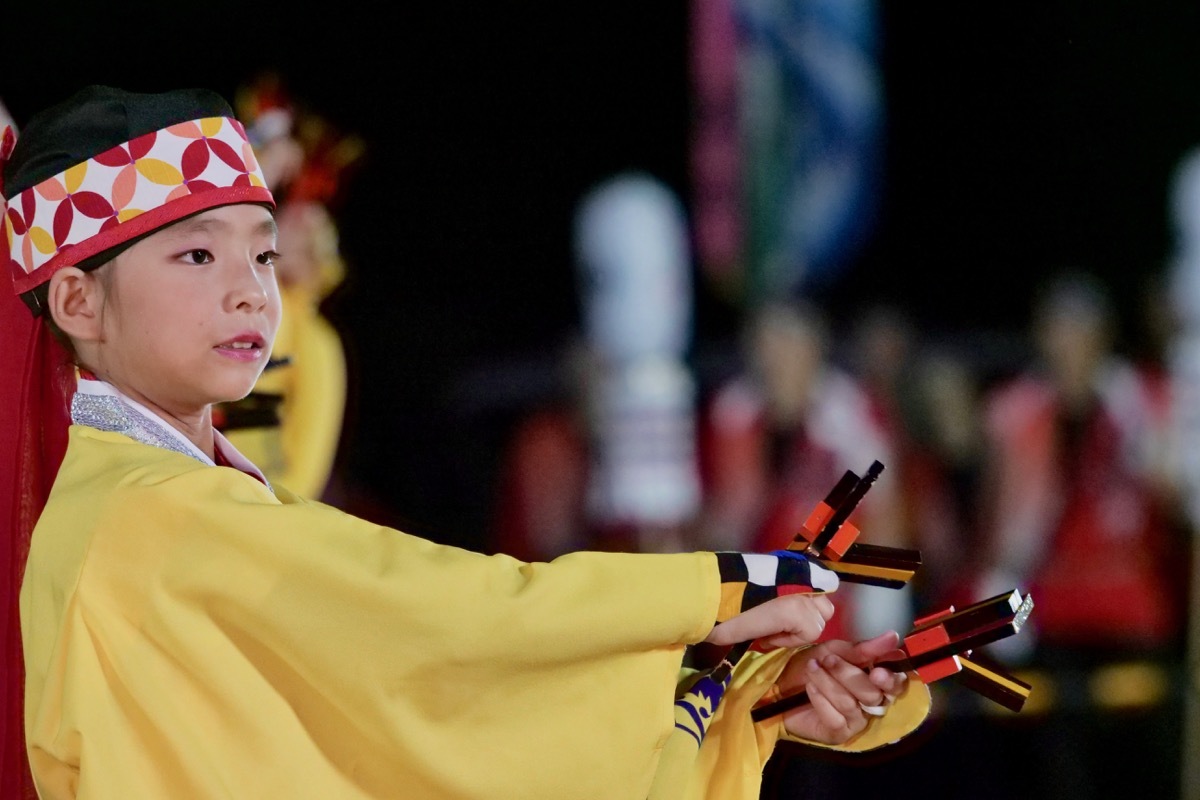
[[731, 757], [190, 635]]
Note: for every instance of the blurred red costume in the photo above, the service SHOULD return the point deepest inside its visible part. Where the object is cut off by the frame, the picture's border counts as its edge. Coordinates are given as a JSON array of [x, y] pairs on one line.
[[1075, 512]]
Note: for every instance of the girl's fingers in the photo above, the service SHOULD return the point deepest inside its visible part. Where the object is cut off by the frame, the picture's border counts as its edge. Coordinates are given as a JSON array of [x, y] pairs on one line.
[[807, 625], [836, 707], [890, 683], [823, 605], [856, 683], [843, 695], [866, 653]]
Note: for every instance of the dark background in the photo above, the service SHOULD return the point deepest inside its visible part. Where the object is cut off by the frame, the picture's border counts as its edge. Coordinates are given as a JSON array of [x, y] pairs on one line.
[[1020, 138]]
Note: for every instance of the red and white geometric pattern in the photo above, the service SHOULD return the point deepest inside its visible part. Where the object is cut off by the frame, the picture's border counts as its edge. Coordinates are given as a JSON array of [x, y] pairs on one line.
[[132, 189]]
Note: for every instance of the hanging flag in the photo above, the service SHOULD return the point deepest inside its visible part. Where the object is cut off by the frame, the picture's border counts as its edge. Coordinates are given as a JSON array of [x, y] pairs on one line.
[[787, 141]]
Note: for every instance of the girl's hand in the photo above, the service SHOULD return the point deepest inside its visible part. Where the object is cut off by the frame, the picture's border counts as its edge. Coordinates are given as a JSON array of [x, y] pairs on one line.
[[845, 688], [790, 621]]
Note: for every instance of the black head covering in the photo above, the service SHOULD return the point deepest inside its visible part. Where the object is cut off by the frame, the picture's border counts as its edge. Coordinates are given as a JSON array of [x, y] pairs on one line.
[[94, 120]]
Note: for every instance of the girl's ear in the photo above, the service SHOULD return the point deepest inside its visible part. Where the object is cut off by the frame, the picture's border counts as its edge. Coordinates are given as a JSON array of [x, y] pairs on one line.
[[74, 302]]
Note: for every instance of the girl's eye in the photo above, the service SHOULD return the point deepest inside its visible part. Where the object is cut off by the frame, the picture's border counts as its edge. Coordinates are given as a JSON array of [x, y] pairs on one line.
[[268, 258], [198, 256]]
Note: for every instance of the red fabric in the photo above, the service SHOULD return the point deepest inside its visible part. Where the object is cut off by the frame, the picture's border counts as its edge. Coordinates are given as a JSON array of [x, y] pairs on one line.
[[1103, 580], [34, 415], [540, 510]]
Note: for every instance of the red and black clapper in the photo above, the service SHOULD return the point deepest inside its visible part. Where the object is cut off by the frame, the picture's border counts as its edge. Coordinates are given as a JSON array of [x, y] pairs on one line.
[[940, 645], [828, 537]]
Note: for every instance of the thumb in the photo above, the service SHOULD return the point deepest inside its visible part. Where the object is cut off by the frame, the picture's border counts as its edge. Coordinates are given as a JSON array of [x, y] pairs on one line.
[[869, 651]]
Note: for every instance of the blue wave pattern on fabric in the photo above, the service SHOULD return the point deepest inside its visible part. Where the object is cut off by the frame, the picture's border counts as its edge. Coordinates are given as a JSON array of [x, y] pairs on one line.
[[694, 710]]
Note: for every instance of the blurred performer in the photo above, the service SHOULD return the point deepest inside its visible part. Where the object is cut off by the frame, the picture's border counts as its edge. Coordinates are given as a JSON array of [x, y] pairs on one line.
[[1072, 510], [926, 396], [941, 467], [1182, 358], [631, 244], [777, 438], [611, 463], [291, 424], [1071, 483]]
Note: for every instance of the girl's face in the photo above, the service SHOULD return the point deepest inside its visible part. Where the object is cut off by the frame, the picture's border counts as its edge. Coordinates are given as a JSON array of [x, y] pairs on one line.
[[190, 312]]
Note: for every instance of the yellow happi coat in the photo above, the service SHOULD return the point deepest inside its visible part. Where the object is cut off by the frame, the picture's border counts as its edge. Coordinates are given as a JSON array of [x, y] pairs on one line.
[[190, 633]]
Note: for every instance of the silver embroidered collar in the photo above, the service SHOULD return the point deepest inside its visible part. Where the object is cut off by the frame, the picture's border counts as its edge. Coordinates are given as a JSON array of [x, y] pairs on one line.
[[102, 406]]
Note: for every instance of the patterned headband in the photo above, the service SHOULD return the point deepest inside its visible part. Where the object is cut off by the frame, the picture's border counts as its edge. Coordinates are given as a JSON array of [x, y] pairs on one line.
[[125, 192]]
